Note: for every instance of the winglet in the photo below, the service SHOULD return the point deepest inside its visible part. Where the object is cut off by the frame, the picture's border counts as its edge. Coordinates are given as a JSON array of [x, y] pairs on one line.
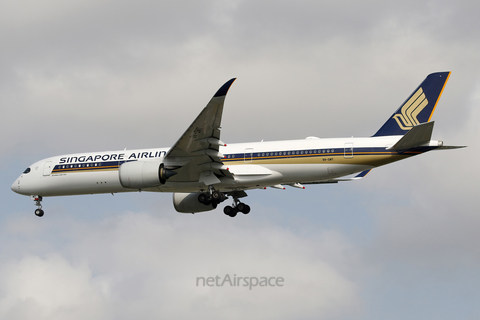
[[224, 89]]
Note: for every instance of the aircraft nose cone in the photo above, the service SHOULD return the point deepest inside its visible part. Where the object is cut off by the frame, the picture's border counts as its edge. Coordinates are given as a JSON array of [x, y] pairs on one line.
[[16, 186]]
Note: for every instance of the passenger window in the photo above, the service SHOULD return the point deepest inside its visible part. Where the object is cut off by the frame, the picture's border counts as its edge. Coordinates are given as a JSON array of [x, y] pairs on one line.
[[26, 170]]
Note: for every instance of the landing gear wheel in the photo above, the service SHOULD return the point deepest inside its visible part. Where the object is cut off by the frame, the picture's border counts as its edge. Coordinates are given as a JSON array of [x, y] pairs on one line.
[[246, 209], [241, 207], [202, 198], [39, 212], [229, 211], [208, 200], [216, 196]]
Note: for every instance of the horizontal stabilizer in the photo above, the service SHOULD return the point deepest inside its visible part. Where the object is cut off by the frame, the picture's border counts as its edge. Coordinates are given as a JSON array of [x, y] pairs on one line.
[[418, 135], [450, 147]]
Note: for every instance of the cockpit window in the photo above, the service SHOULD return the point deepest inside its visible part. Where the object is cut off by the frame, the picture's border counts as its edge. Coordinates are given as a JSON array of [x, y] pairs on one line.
[[26, 170]]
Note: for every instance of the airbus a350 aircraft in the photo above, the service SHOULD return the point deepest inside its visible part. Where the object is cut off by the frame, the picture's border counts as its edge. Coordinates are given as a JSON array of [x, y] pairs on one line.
[[202, 171]]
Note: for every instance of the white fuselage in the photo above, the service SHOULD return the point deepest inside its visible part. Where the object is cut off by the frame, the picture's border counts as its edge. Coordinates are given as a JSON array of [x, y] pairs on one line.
[[253, 165]]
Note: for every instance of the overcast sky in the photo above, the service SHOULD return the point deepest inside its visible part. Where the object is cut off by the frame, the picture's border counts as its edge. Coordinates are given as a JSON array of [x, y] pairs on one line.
[[82, 76]]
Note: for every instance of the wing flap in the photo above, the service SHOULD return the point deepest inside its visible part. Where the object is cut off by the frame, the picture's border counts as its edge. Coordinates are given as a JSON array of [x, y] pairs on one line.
[[250, 170]]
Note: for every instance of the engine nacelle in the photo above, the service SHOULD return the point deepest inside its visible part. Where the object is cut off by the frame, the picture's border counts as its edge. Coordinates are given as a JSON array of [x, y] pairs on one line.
[[143, 174], [188, 203]]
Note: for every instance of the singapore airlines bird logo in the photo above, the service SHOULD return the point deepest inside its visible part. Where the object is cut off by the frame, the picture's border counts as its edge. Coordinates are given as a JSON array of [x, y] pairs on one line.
[[410, 110]]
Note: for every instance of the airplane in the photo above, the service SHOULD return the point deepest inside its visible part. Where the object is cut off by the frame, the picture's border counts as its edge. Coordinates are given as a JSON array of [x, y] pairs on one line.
[[202, 171]]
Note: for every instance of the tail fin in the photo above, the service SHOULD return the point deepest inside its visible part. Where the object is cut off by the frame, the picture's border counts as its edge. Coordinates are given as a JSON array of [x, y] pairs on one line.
[[418, 108]]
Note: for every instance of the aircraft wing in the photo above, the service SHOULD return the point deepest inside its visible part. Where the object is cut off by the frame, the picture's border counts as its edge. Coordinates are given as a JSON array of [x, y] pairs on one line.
[[195, 156]]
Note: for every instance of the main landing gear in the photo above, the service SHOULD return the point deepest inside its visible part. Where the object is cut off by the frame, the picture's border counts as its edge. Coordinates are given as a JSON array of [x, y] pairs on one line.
[[214, 197], [38, 202], [239, 207]]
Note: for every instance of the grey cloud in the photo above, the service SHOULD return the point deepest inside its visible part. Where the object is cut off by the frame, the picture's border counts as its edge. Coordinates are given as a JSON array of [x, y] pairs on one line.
[[142, 265], [50, 287]]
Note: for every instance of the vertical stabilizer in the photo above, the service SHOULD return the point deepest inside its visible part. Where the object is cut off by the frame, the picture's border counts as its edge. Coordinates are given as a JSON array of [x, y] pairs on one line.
[[418, 108]]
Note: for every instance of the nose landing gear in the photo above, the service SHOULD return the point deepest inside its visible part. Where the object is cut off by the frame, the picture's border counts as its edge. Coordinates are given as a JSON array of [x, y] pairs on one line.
[[38, 202]]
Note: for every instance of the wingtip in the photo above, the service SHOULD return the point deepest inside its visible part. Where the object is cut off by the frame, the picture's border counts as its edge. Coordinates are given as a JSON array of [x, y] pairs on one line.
[[224, 89]]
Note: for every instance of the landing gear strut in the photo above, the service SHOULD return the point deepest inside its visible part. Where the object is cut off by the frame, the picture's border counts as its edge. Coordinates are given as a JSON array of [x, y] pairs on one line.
[[38, 202]]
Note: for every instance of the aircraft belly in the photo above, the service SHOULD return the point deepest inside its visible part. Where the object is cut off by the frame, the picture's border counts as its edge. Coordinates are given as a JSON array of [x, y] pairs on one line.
[[279, 174], [315, 172], [239, 183]]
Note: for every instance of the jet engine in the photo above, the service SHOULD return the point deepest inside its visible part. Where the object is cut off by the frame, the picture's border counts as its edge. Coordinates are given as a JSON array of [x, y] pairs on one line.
[[188, 203], [143, 174]]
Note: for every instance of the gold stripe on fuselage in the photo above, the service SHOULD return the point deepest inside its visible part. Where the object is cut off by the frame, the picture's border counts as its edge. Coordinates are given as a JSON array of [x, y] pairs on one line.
[[86, 169], [364, 158]]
